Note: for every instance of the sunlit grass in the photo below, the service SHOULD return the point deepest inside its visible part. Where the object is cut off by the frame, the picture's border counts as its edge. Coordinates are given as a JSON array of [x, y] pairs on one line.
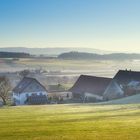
[[70, 122]]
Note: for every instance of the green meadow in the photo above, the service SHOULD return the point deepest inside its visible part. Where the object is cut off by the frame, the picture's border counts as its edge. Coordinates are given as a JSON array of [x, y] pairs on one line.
[[70, 122]]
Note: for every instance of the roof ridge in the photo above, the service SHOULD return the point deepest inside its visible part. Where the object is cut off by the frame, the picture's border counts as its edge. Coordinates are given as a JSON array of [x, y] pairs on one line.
[[94, 76], [27, 81]]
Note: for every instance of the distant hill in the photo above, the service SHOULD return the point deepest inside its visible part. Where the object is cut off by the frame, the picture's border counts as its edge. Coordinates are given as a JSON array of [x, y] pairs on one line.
[[14, 55], [112, 56], [51, 51]]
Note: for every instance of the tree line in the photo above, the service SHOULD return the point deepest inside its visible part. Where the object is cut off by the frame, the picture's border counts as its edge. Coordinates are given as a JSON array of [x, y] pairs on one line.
[[14, 55]]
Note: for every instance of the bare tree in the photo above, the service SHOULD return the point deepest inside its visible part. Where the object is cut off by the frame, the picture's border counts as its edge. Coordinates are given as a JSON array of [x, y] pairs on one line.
[[4, 89]]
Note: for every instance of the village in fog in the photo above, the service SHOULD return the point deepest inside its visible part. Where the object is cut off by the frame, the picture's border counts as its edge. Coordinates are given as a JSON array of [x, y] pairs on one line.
[[35, 81], [69, 69]]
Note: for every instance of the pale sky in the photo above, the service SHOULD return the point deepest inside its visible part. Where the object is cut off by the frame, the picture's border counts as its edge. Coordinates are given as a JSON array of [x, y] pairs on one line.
[[101, 24]]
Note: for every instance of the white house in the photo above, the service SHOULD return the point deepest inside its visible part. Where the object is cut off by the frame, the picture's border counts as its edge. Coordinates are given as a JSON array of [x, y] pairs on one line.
[[29, 91], [113, 91]]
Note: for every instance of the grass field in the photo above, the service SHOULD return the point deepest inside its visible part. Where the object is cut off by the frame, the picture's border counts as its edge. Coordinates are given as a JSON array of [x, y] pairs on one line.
[[70, 122]]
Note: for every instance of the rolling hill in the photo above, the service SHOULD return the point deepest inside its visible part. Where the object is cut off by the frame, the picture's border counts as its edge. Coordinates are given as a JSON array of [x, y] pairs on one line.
[[84, 55], [52, 51]]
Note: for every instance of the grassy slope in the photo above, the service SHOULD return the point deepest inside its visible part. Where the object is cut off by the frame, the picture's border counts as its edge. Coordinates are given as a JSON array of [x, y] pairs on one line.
[[70, 122], [127, 100]]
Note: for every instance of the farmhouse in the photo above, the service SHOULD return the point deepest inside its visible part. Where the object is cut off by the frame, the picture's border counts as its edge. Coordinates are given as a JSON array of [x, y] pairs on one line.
[[129, 81], [123, 77], [29, 91], [124, 83], [90, 88]]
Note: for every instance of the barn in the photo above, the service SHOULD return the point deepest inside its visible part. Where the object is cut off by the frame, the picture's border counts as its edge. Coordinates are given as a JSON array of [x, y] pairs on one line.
[[124, 83], [90, 88]]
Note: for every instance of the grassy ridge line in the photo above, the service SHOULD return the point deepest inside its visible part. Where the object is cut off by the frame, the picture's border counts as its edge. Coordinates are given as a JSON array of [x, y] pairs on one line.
[[135, 99], [70, 122]]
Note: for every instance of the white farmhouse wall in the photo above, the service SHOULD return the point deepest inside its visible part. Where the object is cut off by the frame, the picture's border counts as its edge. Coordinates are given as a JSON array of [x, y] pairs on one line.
[[22, 97]]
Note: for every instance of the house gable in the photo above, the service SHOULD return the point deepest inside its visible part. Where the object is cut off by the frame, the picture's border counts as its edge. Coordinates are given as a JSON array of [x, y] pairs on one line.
[[113, 91], [34, 86], [28, 84]]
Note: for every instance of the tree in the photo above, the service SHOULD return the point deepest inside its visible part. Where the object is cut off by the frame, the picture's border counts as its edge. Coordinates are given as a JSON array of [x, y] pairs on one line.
[[24, 73], [4, 89]]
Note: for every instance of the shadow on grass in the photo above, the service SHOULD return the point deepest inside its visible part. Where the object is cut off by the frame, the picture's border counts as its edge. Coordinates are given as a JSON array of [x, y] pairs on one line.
[[95, 118], [96, 111]]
